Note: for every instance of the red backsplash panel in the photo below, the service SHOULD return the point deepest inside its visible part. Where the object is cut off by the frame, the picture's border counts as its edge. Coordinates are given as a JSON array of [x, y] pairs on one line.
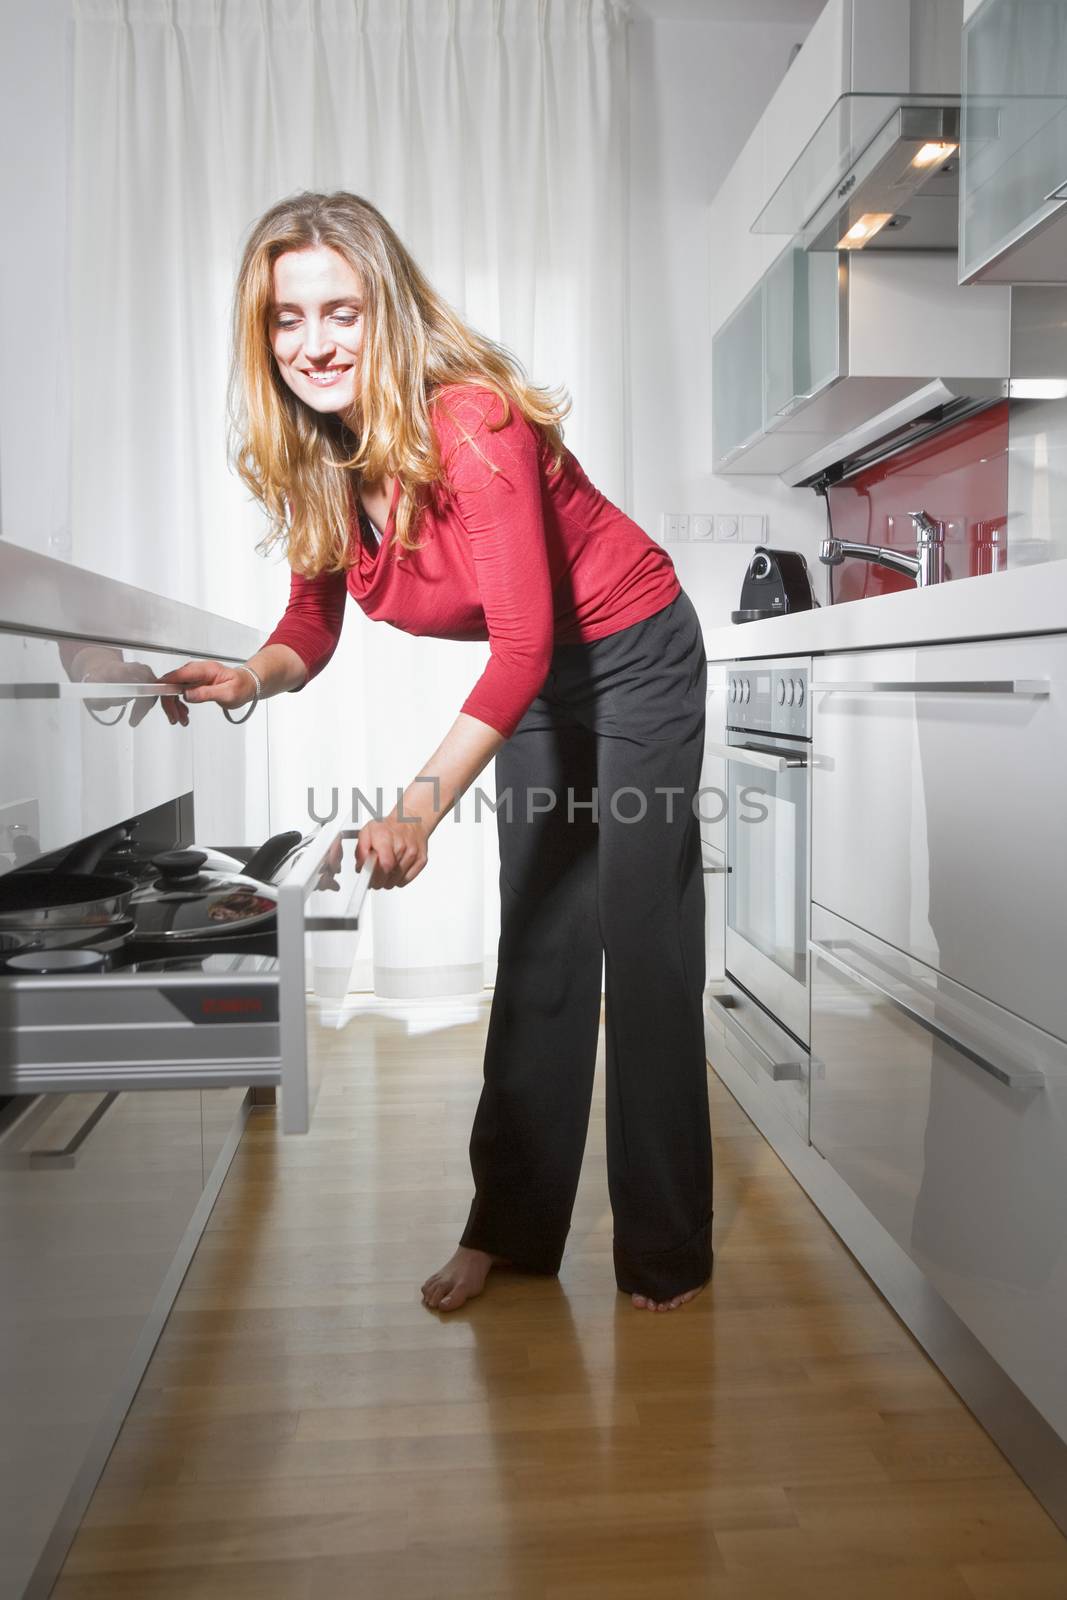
[[959, 476]]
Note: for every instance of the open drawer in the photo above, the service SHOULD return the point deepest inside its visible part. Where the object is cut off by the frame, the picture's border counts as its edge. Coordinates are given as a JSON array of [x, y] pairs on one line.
[[230, 1019]]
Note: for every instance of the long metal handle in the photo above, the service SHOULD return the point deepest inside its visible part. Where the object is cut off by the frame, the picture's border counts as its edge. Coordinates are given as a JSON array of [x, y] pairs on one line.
[[62, 1156], [755, 755], [778, 1071], [1020, 1078], [1035, 687], [89, 691]]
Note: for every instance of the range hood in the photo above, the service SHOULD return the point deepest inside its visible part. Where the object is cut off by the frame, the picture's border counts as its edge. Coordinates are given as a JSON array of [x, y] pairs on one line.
[[881, 172]]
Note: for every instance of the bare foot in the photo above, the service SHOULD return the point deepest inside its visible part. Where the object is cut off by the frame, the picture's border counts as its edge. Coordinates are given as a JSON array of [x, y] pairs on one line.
[[643, 1303], [460, 1279]]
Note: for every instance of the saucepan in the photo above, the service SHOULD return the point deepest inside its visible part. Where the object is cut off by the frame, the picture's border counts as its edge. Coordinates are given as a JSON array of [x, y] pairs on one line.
[[172, 895]]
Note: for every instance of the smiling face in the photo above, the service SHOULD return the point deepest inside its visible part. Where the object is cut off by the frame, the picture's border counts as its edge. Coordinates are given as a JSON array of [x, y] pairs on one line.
[[316, 326]]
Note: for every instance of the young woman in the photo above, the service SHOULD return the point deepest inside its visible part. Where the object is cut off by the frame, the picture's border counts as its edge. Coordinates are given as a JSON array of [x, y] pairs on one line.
[[403, 459]]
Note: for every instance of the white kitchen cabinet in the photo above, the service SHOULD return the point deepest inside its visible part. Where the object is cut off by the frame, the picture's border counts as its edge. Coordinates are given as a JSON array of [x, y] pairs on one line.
[[939, 787], [1013, 153], [854, 46], [839, 341], [96, 1194], [802, 330], [947, 1117]]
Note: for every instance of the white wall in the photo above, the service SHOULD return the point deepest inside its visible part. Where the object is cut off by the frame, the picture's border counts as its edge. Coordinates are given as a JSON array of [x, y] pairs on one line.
[[698, 89]]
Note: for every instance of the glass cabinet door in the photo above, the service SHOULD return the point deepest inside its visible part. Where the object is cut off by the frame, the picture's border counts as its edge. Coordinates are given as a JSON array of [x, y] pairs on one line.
[[737, 379], [1013, 158], [801, 330]]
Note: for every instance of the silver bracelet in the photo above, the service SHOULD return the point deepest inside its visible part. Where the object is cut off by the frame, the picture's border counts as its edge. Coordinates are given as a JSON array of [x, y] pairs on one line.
[[254, 675]]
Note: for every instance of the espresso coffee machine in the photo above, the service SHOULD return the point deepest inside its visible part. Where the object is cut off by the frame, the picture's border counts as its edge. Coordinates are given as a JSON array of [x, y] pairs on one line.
[[777, 581]]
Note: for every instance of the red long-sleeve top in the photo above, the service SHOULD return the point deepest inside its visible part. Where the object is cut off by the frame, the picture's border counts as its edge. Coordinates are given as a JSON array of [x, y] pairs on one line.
[[511, 552]]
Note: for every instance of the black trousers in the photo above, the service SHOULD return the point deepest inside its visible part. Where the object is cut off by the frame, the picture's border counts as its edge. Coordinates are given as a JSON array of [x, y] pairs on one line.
[[619, 726]]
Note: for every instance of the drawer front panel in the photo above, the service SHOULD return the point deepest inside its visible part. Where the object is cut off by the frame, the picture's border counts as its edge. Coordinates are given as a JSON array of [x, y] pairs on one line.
[[939, 785], [948, 1118]]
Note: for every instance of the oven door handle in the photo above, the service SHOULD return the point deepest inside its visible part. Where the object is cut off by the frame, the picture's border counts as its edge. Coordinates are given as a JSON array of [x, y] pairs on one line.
[[758, 755]]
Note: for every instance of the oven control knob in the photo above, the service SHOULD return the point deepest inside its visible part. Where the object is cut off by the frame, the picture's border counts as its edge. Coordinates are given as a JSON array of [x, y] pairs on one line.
[[800, 692], [790, 691], [733, 689], [781, 691], [746, 691]]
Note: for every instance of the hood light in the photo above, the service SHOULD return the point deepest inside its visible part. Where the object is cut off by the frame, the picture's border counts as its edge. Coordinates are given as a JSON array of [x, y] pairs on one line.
[[863, 230], [931, 155], [1038, 388]]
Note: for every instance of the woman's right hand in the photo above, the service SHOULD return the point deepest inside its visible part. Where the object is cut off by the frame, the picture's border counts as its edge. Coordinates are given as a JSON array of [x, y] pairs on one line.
[[209, 680]]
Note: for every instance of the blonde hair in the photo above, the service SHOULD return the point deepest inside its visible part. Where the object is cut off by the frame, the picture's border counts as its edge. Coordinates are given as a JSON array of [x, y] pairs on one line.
[[303, 465]]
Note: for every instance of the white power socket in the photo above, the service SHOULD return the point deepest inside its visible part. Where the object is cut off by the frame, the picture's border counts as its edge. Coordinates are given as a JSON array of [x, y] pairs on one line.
[[727, 528], [674, 526], [701, 528]]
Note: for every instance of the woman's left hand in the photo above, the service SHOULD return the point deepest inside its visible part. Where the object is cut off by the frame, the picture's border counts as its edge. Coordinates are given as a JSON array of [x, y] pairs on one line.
[[401, 848]]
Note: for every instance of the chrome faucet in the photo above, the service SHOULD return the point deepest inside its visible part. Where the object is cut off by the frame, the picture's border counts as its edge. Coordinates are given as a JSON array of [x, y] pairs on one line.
[[926, 566]]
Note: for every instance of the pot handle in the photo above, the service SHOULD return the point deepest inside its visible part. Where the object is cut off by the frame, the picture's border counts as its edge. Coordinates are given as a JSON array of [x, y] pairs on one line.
[[264, 862]]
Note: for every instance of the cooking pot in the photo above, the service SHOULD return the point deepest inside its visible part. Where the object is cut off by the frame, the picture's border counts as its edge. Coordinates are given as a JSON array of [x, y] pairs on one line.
[[171, 895], [184, 900]]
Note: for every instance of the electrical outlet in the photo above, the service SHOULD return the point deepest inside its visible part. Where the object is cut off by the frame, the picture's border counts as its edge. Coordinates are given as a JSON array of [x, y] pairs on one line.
[[701, 528], [753, 529], [674, 526], [726, 528]]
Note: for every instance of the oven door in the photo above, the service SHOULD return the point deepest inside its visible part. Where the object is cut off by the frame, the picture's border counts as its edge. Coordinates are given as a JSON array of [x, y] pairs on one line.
[[767, 909]]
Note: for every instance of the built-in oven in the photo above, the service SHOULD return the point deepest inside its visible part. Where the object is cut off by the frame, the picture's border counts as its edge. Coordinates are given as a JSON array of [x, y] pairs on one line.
[[763, 1005]]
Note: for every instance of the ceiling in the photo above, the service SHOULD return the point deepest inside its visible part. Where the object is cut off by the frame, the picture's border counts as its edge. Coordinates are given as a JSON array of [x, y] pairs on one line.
[[802, 12]]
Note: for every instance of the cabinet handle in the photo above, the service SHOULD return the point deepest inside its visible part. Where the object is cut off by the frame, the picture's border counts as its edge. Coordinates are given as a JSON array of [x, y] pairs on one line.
[[64, 1155], [90, 691], [1058, 193], [1021, 1079], [1037, 687], [757, 755], [777, 1071]]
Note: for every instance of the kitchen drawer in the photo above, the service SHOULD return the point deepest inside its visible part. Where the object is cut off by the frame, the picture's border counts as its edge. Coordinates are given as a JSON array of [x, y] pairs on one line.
[[947, 1116], [712, 803], [96, 1194], [772, 1057], [241, 1024], [939, 787]]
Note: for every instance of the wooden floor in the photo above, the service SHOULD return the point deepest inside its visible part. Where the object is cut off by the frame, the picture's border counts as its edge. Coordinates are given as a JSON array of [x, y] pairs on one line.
[[308, 1431]]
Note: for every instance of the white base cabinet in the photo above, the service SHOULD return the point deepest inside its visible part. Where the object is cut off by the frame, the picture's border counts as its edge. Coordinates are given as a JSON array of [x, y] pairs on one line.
[[939, 788], [947, 1117], [102, 1199]]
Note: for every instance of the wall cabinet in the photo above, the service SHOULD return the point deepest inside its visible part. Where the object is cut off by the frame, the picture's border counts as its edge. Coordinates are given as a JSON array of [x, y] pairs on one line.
[[1013, 157], [830, 350], [780, 348]]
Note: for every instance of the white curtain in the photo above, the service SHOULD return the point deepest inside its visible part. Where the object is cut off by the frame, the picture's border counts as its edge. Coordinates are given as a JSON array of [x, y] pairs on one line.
[[492, 134]]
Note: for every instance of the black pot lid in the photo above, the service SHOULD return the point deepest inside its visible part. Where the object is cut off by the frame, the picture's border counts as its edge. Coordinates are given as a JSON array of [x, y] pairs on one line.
[[183, 900]]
